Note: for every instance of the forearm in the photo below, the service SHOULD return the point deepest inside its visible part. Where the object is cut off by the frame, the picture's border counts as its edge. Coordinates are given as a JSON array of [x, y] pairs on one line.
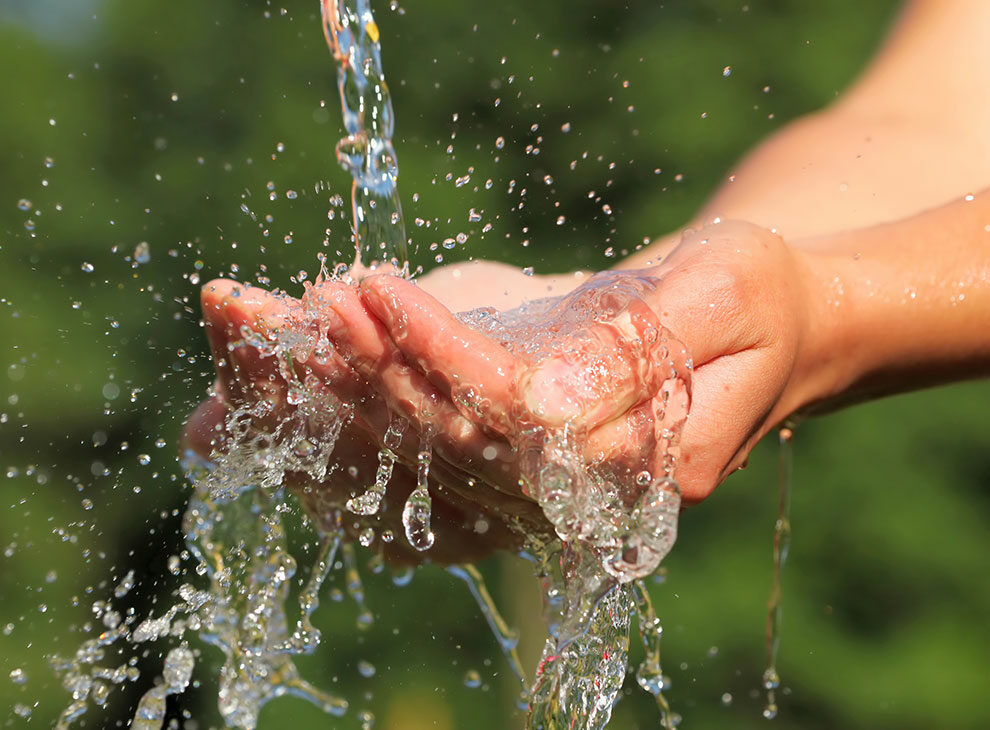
[[909, 134], [897, 306]]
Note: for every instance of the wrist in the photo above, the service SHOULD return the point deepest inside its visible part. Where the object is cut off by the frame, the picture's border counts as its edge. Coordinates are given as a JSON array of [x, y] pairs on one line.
[[830, 356]]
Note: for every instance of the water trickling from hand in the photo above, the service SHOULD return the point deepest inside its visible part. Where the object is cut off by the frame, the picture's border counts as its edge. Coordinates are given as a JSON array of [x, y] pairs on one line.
[[614, 526], [781, 546], [417, 512]]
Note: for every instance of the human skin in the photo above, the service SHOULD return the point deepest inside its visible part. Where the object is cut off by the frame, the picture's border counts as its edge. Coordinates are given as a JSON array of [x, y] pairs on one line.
[[775, 331], [878, 284]]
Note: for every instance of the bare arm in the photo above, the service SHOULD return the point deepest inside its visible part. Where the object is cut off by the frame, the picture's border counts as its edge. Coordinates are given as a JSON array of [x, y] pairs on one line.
[[911, 133], [900, 305]]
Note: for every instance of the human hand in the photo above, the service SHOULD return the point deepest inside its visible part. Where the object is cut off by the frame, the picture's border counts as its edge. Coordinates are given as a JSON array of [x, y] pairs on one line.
[[736, 296], [277, 386]]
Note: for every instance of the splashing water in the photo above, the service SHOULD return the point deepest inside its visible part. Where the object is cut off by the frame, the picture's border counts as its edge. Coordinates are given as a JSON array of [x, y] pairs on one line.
[[610, 533], [611, 529], [178, 670], [614, 529]]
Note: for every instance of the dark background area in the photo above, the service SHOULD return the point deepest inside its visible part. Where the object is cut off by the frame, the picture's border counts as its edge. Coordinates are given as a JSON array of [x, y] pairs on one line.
[[131, 121]]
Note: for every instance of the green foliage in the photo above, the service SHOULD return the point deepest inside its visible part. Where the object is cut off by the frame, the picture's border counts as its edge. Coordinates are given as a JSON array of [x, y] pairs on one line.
[[886, 595]]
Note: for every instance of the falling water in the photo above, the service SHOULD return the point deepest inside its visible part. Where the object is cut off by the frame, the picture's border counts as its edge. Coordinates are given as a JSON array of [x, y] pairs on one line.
[[781, 545], [366, 152]]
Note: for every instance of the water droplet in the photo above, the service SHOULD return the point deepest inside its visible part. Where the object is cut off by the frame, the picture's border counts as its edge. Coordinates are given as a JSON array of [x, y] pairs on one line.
[[25, 204], [17, 676], [142, 252], [499, 143], [727, 71], [144, 459], [561, 220], [472, 679], [366, 669]]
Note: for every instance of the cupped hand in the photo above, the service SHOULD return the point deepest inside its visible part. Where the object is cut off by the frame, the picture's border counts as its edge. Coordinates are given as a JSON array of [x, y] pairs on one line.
[[606, 367], [603, 360], [271, 350]]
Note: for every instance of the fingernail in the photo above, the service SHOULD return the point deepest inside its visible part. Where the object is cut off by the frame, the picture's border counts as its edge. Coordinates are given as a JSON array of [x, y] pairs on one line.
[[379, 296], [547, 396]]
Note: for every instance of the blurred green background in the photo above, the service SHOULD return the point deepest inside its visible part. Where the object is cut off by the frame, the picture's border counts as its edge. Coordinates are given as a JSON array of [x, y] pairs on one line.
[[128, 121]]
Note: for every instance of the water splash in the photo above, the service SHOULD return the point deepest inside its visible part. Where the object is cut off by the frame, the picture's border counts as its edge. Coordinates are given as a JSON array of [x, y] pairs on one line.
[[150, 713], [370, 501], [578, 681], [614, 526]]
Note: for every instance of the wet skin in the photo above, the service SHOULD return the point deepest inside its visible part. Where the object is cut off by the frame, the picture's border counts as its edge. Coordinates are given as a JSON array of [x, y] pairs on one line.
[[397, 351]]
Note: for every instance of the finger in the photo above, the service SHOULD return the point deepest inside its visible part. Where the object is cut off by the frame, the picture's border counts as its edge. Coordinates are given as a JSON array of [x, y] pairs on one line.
[[642, 444], [732, 398], [365, 344], [477, 373], [240, 325], [619, 360]]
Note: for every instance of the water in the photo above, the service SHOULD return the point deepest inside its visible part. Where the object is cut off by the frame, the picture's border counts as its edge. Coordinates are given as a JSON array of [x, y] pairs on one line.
[[416, 512], [366, 152], [612, 527], [781, 545], [607, 528], [150, 714], [369, 502]]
